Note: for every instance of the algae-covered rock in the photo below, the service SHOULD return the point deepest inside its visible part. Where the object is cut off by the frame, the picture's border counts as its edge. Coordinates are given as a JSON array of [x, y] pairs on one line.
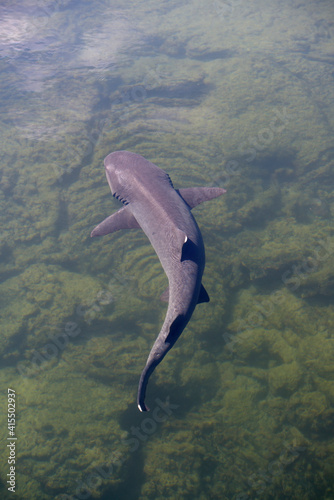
[[66, 433], [309, 411], [38, 301], [182, 476], [237, 95], [285, 379], [316, 353]]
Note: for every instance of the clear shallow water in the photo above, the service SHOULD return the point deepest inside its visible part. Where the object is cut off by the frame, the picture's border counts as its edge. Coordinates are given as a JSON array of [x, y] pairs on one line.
[[234, 95]]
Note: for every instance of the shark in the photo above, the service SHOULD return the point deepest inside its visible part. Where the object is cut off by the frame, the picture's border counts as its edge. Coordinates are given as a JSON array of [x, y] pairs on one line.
[[151, 203]]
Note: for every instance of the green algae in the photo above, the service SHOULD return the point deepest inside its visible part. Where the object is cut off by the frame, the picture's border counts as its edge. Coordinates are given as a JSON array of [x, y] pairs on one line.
[[252, 375]]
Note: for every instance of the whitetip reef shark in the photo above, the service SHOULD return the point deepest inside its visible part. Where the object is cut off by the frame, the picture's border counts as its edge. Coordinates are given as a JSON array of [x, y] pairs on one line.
[[164, 214]]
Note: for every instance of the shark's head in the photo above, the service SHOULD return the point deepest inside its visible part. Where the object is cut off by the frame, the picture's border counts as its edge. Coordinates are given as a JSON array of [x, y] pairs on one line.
[[126, 172], [117, 167]]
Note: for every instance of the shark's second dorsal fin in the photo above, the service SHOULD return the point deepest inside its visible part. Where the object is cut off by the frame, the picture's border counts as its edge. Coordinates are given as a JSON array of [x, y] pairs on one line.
[[123, 219], [203, 295], [195, 196]]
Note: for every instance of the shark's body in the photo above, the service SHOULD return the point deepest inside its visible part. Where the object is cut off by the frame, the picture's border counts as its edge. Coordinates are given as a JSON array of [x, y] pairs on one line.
[[163, 213]]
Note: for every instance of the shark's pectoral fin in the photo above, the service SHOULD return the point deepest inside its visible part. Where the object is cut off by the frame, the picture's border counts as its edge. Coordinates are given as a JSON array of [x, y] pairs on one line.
[[123, 219], [195, 196], [203, 296]]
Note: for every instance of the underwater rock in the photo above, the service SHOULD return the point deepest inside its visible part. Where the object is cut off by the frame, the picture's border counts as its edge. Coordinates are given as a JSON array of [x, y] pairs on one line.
[[309, 412], [285, 379], [37, 303]]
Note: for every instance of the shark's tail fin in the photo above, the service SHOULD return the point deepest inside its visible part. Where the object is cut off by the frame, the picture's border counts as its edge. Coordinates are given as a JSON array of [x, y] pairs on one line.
[[142, 387]]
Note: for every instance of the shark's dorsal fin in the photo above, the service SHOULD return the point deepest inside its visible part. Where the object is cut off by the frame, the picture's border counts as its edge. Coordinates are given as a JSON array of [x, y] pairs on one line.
[[123, 219], [195, 196], [179, 240]]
